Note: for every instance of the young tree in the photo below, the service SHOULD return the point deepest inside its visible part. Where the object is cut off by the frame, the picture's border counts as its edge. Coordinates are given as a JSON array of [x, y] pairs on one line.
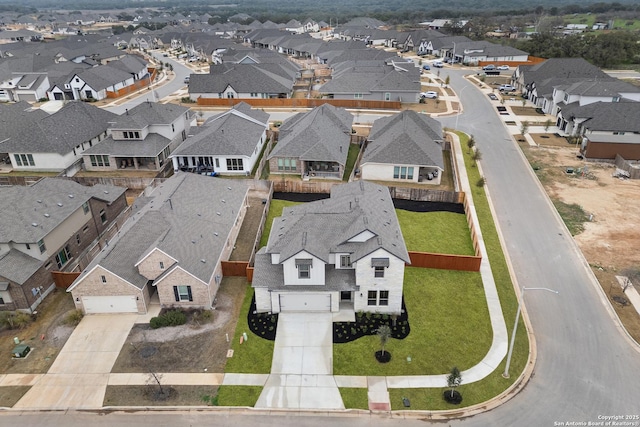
[[471, 142], [524, 101], [384, 333], [476, 157], [447, 80], [454, 379], [524, 127], [547, 124]]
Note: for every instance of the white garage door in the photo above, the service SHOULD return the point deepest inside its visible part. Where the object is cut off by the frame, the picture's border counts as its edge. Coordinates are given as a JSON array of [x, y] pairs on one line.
[[110, 304], [305, 302]]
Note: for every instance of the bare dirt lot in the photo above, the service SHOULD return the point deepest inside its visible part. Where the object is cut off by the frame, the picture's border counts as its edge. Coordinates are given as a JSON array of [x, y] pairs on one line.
[[610, 239], [46, 336], [186, 348]]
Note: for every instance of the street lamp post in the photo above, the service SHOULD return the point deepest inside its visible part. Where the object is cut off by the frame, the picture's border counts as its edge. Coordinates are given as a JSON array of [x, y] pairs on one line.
[[505, 374], [459, 105]]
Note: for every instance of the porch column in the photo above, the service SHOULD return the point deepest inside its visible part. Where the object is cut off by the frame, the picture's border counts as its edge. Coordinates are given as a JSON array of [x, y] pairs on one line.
[[135, 162], [176, 164]]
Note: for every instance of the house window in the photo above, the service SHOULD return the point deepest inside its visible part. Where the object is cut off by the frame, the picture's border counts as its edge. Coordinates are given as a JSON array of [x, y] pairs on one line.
[[182, 293], [24, 159], [99, 160], [103, 216], [131, 135], [63, 257], [48, 266], [387, 96], [173, 128], [161, 265], [103, 279], [41, 246], [357, 96], [28, 246], [234, 165], [304, 268], [372, 297], [78, 241], [217, 162], [383, 298], [618, 133], [88, 94], [85, 207], [345, 261], [85, 228], [402, 172], [378, 272]]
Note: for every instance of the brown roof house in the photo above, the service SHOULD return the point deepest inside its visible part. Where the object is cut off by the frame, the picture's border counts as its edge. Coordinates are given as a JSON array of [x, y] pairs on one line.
[[173, 245]]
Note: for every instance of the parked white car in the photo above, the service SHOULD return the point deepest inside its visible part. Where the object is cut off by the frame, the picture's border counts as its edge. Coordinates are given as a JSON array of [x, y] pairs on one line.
[[506, 88], [438, 64], [431, 94], [503, 67]]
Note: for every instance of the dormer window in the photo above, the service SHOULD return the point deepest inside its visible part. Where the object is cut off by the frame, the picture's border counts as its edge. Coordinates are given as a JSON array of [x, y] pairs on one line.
[[304, 268], [379, 264], [131, 135], [345, 261]]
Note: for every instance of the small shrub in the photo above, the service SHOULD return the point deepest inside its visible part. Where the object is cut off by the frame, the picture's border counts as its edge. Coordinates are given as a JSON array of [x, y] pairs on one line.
[[175, 318], [15, 320], [157, 322], [206, 315], [481, 182], [73, 318], [187, 100]]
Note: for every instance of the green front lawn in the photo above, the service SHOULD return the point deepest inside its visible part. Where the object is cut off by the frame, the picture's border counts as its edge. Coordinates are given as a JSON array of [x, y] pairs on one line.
[[437, 232], [449, 326], [254, 355], [355, 398], [237, 395]]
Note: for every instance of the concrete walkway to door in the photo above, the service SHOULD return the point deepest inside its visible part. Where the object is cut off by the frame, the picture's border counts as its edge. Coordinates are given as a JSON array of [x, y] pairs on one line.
[[79, 375], [302, 368]]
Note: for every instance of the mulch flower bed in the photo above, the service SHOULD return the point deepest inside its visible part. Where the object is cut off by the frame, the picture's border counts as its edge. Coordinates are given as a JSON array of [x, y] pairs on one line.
[[265, 325]]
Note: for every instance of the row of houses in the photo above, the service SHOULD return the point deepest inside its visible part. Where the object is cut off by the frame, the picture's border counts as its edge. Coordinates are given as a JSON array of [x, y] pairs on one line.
[[600, 110]]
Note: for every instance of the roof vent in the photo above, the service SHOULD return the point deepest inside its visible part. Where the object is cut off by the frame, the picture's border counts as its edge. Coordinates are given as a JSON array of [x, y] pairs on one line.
[[215, 233], [193, 241], [106, 192], [228, 188], [71, 196], [203, 261], [223, 201], [59, 204], [218, 213], [35, 224], [47, 215], [39, 201]]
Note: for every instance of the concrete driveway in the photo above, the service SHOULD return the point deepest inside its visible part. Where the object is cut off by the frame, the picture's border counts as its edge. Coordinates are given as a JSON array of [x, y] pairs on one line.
[[302, 368], [78, 377]]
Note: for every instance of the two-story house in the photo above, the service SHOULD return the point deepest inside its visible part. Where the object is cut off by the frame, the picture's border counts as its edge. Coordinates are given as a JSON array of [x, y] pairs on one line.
[[46, 227], [342, 253], [142, 137]]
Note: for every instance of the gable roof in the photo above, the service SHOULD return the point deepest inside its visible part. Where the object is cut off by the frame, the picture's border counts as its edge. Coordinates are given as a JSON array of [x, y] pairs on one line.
[[245, 78], [405, 138], [373, 76], [75, 123], [325, 226], [610, 116], [147, 114], [188, 216], [322, 134], [561, 68], [46, 204], [235, 132]]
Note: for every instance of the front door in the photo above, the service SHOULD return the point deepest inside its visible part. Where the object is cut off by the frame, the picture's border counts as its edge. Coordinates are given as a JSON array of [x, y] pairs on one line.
[[345, 296]]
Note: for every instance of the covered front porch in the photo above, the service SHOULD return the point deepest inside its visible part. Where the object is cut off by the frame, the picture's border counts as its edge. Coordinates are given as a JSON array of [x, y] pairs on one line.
[[322, 169]]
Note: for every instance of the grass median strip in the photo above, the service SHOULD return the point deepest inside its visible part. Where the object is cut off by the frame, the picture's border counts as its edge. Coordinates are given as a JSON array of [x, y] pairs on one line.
[[232, 395]]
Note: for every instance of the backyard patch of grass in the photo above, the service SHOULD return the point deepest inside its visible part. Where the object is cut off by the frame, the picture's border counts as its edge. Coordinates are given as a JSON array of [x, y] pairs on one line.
[[275, 210], [354, 149], [254, 355], [437, 232], [235, 395], [449, 326], [572, 214], [355, 398]]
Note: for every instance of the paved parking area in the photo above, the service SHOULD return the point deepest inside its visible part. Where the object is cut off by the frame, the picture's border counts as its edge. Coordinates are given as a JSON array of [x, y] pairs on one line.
[[78, 377]]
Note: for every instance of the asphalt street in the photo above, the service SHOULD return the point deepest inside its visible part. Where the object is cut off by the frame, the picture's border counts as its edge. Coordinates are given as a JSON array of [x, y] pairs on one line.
[[587, 368]]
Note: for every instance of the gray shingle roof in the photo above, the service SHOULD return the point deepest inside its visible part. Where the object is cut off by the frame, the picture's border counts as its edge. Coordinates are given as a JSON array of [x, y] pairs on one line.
[[322, 134], [325, 226], [151, 146], [407, 138], [189, 217], [373, 76], [244, 78], [18, 267], [236, 132], [610, 116], [60, 132], [146, 114], [561, 68], [24, 206]]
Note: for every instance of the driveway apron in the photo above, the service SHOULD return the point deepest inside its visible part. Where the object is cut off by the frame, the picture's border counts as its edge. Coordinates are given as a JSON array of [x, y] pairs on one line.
[[302, 368], [78, 377]]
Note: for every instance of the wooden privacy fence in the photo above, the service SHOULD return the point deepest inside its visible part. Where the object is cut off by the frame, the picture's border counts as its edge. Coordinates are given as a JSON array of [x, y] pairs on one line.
[[135, 86], [445, 261], [300, 103], [235, 268], [62, 279]]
